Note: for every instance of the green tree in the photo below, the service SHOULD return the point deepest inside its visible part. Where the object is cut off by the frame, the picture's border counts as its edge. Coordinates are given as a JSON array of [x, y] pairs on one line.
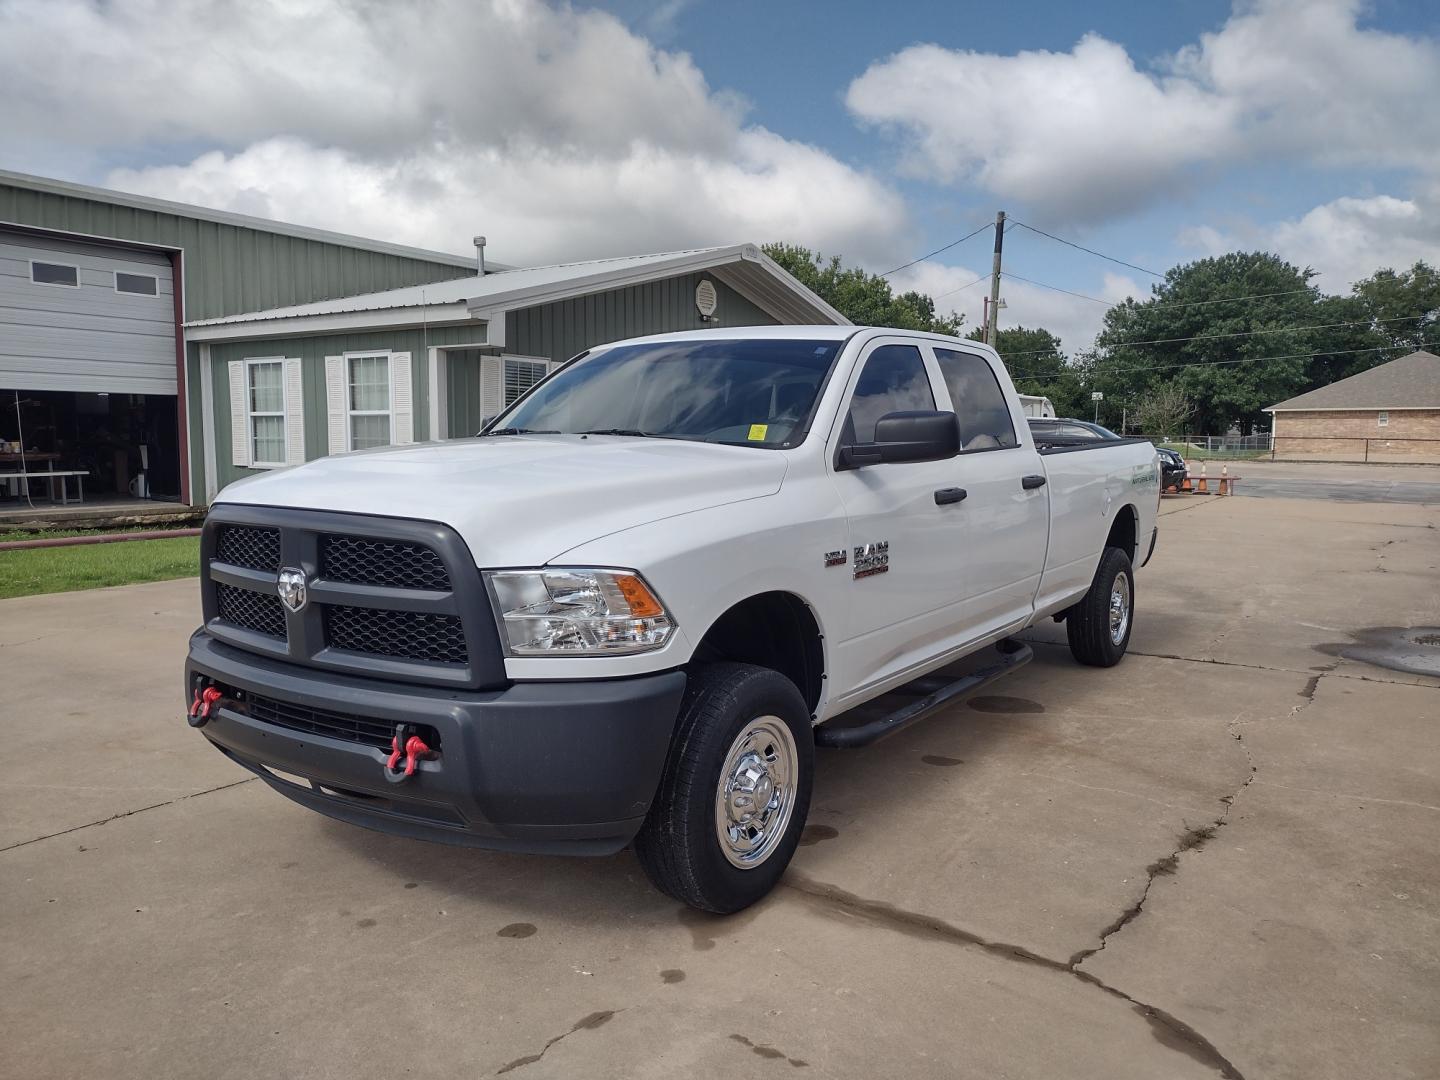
[[1405, 306], [864, 298], [1230, 357], [1164, 411]]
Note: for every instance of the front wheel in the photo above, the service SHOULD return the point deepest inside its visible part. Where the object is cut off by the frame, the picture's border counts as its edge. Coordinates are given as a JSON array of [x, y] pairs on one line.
[[1099, 626], [736, 789]]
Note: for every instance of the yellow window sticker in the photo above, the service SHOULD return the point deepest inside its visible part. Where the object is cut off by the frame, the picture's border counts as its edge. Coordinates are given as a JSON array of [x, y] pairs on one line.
[[757, 432]]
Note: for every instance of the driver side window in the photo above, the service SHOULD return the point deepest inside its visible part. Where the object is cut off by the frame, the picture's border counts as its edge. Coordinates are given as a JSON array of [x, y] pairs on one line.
[[893, 380]]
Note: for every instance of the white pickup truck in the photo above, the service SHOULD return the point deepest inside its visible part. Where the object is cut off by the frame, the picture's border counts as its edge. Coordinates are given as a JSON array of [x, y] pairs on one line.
[[632, 607]]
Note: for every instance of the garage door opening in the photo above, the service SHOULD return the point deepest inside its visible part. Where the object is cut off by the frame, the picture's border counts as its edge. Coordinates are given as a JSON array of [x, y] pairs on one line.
[[124, 448]]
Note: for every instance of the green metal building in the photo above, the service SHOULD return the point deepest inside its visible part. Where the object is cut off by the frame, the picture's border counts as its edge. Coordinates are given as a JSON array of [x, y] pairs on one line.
[[285, 343]]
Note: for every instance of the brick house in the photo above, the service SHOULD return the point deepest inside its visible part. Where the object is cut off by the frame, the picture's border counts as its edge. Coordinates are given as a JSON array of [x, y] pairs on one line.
[[1389, 413]]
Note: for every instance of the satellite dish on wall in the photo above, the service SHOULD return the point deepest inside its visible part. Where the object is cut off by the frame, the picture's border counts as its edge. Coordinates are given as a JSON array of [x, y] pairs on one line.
[[706, 299]]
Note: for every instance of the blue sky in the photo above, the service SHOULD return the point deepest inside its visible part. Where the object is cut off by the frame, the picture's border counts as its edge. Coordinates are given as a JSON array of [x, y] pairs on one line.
[[1154, 132]]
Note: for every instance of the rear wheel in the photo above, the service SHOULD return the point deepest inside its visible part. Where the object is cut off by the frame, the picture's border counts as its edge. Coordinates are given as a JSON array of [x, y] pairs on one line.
[[736, 789], [1099, 626]]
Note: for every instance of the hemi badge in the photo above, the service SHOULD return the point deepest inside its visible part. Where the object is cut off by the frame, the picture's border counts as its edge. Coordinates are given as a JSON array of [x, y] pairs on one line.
[[835, 558]]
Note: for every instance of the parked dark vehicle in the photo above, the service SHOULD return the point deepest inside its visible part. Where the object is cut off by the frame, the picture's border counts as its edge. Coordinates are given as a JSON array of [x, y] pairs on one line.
[[1063, 431], [1173, 470]]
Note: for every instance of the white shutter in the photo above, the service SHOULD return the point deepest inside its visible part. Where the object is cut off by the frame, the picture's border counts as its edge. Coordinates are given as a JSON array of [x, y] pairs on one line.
[[294, 413], [492, 385], [335, 404], [402, 400], [239, 418]]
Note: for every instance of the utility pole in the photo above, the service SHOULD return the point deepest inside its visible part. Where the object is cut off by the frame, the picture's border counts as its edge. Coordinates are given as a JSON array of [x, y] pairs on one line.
[[992, 314]]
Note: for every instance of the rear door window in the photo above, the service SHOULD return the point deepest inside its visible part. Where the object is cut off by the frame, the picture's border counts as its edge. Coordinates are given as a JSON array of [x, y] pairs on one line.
[[978, 401], [893, 380]]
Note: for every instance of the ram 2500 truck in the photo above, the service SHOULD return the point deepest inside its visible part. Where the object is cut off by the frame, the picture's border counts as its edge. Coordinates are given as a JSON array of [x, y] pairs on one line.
[[631, 608]]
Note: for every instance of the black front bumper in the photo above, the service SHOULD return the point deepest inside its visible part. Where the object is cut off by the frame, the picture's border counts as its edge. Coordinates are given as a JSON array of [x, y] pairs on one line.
[[555, 768]]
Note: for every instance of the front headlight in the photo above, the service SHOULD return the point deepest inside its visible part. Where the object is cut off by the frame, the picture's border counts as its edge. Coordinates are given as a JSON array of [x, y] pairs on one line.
[[577, 612]]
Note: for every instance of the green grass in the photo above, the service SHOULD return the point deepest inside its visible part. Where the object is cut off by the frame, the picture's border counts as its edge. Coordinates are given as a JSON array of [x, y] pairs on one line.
[[91, 566], [16, 533]]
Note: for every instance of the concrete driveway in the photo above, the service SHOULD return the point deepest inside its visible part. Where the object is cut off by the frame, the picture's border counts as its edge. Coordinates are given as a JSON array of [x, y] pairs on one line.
[[1219, 858]]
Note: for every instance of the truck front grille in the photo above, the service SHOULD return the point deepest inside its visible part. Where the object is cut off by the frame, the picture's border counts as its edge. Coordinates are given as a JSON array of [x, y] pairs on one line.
[[260, 612], [412, 635], [254, 549], [399, 565], [384, 597]]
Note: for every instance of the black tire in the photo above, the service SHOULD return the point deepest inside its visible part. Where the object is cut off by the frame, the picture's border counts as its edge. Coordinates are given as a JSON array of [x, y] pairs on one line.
[[1088, 624], [679, 846]]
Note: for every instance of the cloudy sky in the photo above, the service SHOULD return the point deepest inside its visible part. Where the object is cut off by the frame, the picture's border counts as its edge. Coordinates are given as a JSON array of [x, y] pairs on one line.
[[1151, 132]]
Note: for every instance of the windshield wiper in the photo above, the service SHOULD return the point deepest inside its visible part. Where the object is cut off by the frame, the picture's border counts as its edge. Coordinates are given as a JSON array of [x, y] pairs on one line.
[[620, 431], [517, 431]]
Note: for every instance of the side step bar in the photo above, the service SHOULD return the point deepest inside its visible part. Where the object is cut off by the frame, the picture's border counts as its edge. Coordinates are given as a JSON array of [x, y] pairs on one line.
[[1013, 655]]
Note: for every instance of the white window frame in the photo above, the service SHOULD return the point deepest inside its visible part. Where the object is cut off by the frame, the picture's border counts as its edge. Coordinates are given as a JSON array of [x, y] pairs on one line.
[[1382, 418], [252, 362], [55, 284], [350, 413], [115, 281], [543, 361]]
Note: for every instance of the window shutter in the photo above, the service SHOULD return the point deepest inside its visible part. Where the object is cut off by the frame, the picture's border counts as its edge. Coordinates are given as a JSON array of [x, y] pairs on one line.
[[294, 413], [402, 400], [335, 404], [239, 418], [492, 385]]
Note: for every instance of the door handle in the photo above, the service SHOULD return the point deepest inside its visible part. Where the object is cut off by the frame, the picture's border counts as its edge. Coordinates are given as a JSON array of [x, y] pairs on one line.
[[950, 495], [1029, 483]]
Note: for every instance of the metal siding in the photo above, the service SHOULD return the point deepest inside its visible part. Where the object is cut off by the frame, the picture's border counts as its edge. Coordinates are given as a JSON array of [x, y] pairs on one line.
[[194, 414], [89, 338], [229, 269]]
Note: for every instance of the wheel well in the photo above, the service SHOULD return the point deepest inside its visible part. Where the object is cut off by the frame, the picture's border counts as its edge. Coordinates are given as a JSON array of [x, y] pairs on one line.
[[1123, 532], [775, 630]]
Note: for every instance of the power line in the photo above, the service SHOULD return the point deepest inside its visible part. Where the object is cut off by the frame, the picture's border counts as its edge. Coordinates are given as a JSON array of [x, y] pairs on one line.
[[937, 251], [1216, 363], [1244, 333], [1152, 305], [962, 288], [1089, 251], [1055, 288]]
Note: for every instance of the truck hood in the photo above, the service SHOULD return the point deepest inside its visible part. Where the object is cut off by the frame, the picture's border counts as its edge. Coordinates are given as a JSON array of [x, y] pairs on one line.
[[523, 500]]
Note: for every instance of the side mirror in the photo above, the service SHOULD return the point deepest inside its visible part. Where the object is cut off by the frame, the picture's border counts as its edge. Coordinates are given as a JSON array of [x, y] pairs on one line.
[[906, 436]]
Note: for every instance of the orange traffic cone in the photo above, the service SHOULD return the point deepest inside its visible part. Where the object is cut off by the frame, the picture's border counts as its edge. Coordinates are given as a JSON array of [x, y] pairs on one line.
[[1224, 479], [1186, 485], [1203, 488]]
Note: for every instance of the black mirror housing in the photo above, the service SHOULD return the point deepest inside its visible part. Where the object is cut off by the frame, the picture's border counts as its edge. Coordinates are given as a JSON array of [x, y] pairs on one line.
[[917, 435]]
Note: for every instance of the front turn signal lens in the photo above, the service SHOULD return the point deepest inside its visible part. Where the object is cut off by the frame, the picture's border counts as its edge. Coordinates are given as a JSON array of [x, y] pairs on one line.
[[643, 604]]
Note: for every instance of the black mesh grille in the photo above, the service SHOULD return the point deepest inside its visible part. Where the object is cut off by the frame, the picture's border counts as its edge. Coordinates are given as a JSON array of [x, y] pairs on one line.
[[392, 563], [409, 635], [251, 610], [256, 549], [357, 729]]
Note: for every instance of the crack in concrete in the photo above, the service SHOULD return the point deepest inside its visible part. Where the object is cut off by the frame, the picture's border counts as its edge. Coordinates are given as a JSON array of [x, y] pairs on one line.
[[125, 814], [834, 902], [585, 1023]]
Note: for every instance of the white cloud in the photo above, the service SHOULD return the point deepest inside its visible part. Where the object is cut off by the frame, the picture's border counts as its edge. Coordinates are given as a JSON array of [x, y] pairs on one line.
[[557, 132], [1088, 135], [1345, 240]]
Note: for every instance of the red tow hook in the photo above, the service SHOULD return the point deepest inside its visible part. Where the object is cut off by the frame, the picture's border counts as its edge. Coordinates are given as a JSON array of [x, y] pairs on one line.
[[413, 749], [201, 706]]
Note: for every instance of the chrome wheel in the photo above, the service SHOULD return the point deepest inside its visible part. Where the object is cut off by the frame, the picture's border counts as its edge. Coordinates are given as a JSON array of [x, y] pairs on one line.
[[1119, 608], [756, 793]]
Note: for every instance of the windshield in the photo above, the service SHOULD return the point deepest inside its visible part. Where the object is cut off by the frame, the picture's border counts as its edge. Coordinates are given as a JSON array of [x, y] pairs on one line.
[[749, 393]]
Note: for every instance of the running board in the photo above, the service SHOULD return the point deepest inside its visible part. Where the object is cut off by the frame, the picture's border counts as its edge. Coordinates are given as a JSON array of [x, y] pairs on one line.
[[852, 738]]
